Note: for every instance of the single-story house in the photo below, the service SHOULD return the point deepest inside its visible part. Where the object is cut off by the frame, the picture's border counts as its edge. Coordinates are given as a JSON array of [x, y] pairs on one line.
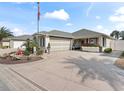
[[16, 42], [60, 40]]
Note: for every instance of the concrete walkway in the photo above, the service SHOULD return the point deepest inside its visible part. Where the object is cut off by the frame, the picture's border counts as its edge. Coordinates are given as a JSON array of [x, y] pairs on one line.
[[69, 70]]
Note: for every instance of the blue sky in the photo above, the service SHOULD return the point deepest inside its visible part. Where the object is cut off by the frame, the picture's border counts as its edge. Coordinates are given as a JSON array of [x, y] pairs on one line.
[[21, 18]]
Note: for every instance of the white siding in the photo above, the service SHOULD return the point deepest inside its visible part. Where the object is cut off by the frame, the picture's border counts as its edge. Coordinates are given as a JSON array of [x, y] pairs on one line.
[[60, 43], [46, 41], [5, 43], [108, 43], [17, 44]]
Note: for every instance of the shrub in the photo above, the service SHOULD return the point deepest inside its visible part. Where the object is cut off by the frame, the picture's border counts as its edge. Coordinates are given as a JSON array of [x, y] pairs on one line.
[[122, 55], [108, 50], [26, 53], [30, 44], [19, 52], [39, 51]]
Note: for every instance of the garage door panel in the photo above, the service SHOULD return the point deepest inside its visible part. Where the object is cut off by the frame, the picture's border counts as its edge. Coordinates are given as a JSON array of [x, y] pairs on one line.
[[18, 44], [59, 44]]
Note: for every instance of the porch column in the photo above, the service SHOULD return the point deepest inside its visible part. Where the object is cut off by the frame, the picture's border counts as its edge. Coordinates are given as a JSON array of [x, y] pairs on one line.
[[47, 40], [71, 43], [42, 41], [100, 41]]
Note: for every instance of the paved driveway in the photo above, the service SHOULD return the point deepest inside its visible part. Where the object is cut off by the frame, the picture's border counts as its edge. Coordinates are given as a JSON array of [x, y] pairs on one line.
[[73, 70]]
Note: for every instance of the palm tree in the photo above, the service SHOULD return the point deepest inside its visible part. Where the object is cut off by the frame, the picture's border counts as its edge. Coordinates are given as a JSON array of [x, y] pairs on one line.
[[115, 34], [30, 44], [4, 32]]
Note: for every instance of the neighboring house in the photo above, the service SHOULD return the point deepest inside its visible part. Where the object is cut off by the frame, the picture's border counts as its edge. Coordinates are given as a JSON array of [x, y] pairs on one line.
[[60, 40], [16, 42]]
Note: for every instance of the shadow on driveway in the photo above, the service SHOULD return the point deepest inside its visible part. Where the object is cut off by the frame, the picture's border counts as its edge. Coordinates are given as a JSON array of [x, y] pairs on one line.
[[114, 54], [96, 69]]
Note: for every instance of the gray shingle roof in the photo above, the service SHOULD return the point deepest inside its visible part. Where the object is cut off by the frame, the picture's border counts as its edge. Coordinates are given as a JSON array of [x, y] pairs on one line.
[[60, 33], [82, 33], [22, 37], [57, 33], [85, 33]]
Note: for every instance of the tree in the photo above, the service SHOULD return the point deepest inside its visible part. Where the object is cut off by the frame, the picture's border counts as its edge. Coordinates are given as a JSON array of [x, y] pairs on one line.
[[115, 34], [4, 32], [122, 35], [30, 44]]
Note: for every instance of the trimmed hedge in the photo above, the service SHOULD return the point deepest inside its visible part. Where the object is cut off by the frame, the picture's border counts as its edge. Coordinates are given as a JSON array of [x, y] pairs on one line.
[[108, 50], [122, 55]]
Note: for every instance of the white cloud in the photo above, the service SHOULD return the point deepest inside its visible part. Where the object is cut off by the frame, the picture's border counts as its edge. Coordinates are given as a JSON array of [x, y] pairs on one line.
[[34, 7], [69, 24], [117, 18], [15, 28], [57, 14], [100, 28], [119, 11], [119, 26], [18, 31], [89, 9], [98, 17], [118, 15]]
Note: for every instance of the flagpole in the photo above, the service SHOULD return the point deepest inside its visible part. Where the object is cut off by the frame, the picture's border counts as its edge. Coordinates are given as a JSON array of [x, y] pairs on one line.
[[38, 22], [38, 26], [38, 17]]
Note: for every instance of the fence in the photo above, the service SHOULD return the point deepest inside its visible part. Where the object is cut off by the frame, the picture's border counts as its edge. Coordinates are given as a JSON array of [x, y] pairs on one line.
[[117, 45]]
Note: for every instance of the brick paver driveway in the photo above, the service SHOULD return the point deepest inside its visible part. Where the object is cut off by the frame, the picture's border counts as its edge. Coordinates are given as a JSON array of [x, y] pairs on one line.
[[72, 70]]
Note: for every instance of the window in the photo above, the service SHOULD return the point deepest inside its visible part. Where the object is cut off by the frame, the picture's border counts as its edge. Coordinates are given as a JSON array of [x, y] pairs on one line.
[[104, 42], [93, 41]]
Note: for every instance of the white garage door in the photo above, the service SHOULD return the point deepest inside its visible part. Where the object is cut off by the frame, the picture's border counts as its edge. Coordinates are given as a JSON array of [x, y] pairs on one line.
[[17, 44], [59, 43]]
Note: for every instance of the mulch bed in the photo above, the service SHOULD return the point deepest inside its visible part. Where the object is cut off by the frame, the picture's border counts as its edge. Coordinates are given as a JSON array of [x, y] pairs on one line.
[[9, 60], [120, 62]]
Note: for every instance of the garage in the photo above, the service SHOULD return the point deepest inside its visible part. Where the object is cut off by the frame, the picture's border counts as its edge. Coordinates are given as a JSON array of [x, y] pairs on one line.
[[16, 41], [17, 44], [58, 43]]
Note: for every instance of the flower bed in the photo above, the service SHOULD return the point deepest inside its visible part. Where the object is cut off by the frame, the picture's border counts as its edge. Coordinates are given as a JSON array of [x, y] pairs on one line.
[[22, 59]]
